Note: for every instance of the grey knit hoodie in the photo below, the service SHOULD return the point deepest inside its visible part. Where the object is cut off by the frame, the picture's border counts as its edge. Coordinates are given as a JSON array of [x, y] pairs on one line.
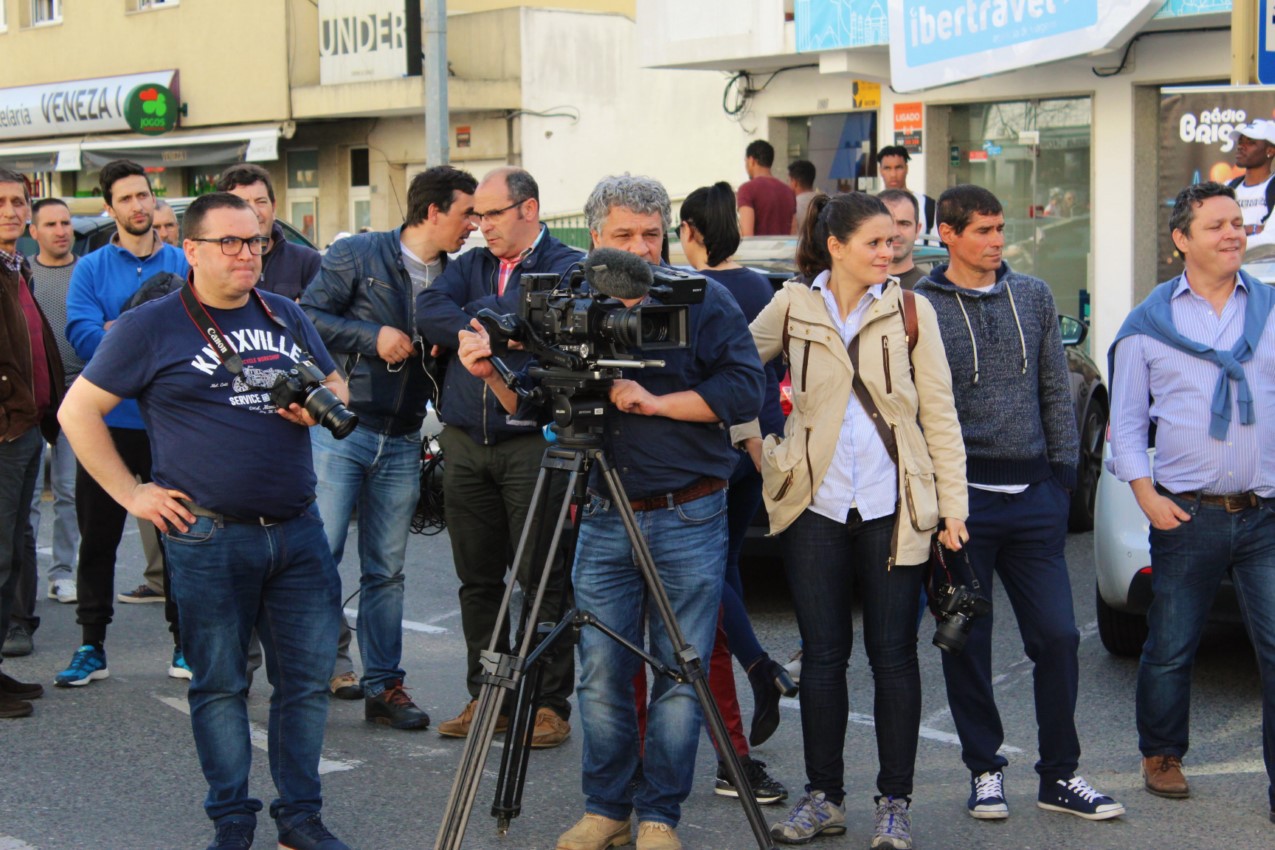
[[1009, 377]]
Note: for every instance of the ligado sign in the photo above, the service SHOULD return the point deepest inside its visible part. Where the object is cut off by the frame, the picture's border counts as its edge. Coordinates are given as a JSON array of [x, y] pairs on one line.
[[937, 42]]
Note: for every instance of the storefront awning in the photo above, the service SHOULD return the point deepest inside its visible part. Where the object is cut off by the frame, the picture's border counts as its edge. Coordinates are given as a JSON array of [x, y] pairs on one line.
[[219, 146], [40, 157], [253, 143]]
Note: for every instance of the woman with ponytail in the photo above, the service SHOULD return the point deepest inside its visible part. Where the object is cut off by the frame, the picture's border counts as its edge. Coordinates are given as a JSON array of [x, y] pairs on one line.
[[869, 460]]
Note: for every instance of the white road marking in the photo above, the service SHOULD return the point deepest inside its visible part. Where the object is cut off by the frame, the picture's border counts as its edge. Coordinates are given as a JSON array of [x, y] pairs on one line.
[[259, 740], [7, 843], [409, 625]]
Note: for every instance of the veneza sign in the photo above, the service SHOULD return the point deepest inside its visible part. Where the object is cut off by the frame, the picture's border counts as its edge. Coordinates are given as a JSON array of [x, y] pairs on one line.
[[938, 42]]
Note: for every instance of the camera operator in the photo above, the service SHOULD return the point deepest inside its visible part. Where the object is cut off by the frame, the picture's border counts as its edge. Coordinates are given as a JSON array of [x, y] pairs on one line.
[[233, 493], [378, 466], [1013, 399], [492, 459], [666, 433]]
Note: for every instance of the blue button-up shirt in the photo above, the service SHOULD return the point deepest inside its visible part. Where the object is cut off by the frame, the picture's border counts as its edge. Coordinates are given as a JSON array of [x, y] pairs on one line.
[[861, 474], [1154, 382]]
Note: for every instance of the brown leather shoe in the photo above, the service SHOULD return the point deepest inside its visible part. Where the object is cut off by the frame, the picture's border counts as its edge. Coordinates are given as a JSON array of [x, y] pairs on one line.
[[594, 832], [653, 835], [1162, 776], [550, 730], [458, 726]]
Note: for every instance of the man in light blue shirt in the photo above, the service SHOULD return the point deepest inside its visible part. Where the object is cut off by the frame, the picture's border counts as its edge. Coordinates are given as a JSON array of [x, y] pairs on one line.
[[1194, 359]]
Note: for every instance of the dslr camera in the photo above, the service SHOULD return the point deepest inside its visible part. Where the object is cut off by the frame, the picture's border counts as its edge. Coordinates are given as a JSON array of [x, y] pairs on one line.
[[956, 606], [303, 385]]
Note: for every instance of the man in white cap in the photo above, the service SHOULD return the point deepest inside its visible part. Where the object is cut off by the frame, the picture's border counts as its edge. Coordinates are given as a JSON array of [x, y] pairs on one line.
[[1254, 152]]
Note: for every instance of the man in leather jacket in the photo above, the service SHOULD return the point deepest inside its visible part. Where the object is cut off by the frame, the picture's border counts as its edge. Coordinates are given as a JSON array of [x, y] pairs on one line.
[[363, 303]]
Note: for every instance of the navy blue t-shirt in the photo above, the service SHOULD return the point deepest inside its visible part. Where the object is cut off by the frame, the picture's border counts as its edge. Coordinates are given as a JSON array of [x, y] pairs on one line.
[[216, 436]]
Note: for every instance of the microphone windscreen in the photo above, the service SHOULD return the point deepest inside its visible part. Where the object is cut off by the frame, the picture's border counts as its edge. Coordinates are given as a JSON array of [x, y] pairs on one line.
[[617, 273]]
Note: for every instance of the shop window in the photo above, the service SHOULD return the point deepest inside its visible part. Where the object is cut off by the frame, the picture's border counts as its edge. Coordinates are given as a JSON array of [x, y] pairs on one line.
[[359, 167], [44, 13], [203, 178], [303, 169]]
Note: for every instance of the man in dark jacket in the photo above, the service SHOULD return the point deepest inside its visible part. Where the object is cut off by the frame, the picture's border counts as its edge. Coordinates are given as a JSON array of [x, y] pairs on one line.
[[30, 389], [363, 304], [493, 457], [287, 268]]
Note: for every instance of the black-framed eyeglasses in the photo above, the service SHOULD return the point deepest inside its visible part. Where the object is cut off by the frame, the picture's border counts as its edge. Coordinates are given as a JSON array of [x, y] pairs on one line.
[[494, 213], [232, 246]]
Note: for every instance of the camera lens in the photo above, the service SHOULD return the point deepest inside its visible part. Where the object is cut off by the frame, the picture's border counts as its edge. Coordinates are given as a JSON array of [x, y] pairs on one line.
[[328, 410], [951, 633]]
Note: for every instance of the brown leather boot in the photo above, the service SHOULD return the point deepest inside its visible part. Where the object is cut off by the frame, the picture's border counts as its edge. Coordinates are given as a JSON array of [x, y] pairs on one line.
[[1162, 776]]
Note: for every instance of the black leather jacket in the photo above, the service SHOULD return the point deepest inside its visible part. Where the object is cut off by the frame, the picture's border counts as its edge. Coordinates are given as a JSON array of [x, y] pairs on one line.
[[362, 285]]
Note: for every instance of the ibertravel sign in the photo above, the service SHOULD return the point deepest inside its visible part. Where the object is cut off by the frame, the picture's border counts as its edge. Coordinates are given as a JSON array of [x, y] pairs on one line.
[[76, 107], [938, 42]]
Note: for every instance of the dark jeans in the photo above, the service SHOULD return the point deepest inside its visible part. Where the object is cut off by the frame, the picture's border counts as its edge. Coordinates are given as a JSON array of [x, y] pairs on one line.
[[1187, 565], [102, 521], [230, 578], [19, 460], [486, 493], [743, 499], [24, 592], [1021, 537], [824, 560]]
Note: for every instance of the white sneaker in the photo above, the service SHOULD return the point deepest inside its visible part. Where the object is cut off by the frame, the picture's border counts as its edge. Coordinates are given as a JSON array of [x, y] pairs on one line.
[[63, 590]]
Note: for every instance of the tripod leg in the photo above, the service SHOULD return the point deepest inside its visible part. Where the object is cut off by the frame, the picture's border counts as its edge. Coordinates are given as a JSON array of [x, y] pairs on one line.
[[693, 669]]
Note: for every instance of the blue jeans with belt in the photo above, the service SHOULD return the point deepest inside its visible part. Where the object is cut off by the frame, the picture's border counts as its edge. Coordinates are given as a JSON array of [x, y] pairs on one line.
[[229, 577], [688, 544], [1187, 566]]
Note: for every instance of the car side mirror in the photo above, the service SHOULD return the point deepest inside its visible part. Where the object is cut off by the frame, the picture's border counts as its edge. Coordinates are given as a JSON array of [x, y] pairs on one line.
[[1073, 330]]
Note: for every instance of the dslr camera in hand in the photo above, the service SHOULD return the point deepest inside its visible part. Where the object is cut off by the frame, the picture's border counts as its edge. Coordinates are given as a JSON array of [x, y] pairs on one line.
[[304, 386], [582, 321]]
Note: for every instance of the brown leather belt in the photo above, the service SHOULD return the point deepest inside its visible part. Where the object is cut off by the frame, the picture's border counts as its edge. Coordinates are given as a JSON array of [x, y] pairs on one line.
[[698, 490], [1232, 503], [266, 521]]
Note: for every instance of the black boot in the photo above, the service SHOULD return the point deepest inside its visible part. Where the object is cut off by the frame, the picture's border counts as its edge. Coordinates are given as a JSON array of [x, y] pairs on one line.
[[770, 681]]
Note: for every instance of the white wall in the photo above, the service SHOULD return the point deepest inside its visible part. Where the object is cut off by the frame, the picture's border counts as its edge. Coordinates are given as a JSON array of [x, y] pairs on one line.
[[1160, 59], [665, 124]]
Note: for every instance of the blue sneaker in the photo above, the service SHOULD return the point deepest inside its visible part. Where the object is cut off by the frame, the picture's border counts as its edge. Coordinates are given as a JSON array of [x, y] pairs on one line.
[[87, 664], [987, 796], [1077, 797], [234, 832], [179, 669], [310, 834]]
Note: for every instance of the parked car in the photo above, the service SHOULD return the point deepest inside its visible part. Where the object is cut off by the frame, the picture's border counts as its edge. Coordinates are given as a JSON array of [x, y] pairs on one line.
[[94, 227], [1122, 548]]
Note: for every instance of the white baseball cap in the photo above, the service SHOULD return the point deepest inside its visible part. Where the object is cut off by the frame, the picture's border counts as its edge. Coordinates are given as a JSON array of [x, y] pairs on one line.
[[1262, 129]]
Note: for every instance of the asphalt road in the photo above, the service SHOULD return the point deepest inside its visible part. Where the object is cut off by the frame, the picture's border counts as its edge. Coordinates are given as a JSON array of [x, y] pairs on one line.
[[111, 766]]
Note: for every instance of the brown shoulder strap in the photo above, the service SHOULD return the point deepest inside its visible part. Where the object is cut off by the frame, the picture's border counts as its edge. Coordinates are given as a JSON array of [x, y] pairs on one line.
[[786, 335], [909, 319], [870, 406]]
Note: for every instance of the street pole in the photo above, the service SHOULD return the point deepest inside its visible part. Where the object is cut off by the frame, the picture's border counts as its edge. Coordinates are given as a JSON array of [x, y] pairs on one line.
[[434, 73], [1244, 23]]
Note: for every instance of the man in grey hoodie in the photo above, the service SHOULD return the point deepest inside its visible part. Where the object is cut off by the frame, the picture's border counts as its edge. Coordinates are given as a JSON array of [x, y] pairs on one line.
[[1009, 379]]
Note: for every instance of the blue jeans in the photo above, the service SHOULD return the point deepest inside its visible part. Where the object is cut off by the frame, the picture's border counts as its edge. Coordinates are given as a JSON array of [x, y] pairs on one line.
[[1021, 537], [229, 578], [382, 474], [19, 459], [825, 560], [688, 544], [66, 534], [1187, 565]]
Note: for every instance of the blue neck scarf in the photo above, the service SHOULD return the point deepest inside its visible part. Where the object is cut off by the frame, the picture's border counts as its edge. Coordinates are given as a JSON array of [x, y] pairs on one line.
[[1154, 318]]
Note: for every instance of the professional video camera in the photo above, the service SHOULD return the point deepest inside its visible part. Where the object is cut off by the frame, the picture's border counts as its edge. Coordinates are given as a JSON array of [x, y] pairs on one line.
[[569, 325]]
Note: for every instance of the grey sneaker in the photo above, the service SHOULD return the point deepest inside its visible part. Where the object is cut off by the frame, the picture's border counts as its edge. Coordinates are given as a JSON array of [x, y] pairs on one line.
[[813, 815], [894, 824], [18, 642]]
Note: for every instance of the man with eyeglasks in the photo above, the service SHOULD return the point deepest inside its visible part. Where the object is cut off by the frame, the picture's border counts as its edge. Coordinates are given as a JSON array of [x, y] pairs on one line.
[[233, 493], [493, 456], [363, 302], [100, 285]]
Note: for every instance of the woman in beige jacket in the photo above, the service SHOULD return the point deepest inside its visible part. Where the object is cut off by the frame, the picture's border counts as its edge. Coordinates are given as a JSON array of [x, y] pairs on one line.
[[870, 459]]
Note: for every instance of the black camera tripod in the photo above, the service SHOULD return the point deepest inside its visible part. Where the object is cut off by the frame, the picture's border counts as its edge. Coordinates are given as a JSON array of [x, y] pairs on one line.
[[579, 402]]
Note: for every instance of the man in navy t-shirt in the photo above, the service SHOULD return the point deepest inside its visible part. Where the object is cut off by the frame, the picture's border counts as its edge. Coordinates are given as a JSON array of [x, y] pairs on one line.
[[233, 492]]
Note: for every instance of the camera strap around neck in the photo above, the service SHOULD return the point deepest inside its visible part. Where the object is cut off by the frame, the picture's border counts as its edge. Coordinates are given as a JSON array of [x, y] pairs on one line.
[[210, 331]]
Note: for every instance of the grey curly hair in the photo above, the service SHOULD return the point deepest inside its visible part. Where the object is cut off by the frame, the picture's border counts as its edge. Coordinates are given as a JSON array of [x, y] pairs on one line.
[[642, 195]]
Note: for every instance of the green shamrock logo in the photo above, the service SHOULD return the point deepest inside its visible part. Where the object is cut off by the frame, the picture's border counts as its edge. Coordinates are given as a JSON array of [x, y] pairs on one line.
[[154, 103]]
